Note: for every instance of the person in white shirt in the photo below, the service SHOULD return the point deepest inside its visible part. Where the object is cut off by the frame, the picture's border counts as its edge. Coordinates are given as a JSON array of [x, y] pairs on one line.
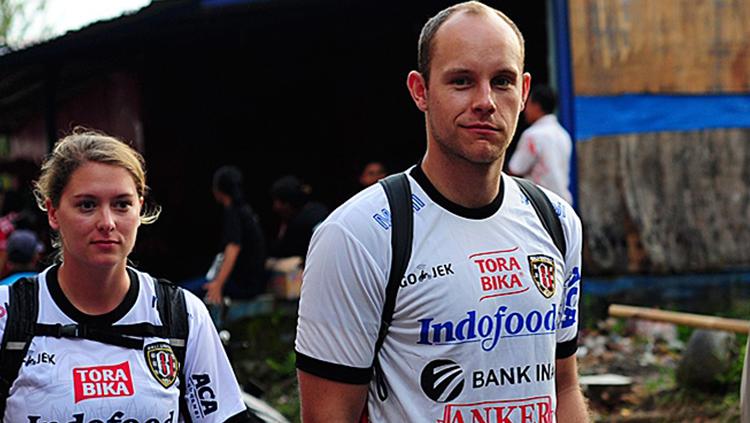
[[115, 364], [543, 151], [485, 320]]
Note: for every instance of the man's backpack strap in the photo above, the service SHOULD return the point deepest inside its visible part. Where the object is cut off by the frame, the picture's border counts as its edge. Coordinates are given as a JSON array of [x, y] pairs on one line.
[[170, 302], [546, 212], [22, 311], [398, 191]]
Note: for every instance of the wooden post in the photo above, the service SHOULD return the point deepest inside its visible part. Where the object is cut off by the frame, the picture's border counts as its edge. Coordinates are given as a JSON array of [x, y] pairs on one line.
[[687, 319]]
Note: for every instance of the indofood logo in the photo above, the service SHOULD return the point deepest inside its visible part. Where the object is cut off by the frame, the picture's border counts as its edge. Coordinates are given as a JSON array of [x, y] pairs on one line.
[[488, 329], [442, 380]]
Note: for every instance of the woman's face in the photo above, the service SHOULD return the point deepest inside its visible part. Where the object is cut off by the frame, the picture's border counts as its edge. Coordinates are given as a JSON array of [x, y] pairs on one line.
[[98, 215]]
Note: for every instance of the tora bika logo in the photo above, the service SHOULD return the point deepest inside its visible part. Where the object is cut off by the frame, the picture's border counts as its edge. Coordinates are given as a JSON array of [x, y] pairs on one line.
[[442, 380]]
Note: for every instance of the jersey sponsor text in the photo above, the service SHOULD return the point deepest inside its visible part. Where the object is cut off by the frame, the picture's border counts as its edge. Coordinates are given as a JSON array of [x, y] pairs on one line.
[[202, 397], [116, 417], [500, 273], [40, 358], [488, 329], [102, 382], [527, 410]]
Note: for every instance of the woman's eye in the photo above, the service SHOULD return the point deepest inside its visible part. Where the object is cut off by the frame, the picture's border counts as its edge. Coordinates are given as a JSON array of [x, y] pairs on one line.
[[123, 205], [86, 205]]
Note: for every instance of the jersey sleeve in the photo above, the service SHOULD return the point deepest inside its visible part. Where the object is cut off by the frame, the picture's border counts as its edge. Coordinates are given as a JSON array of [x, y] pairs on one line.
[[3, 308], [340, 306], [567, 331], [524, 156], [212, 393]]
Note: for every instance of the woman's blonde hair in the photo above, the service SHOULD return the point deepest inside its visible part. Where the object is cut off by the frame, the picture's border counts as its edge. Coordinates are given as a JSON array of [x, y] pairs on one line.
[[82, 146]]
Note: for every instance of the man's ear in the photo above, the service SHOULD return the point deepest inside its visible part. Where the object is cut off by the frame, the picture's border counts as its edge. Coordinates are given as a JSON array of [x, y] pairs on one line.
[[525, 88], [51, 215], [418, 89]]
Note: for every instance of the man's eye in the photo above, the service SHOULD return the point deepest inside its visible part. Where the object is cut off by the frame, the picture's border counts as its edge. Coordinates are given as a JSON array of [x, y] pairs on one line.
[[460, 82], [501, 81]]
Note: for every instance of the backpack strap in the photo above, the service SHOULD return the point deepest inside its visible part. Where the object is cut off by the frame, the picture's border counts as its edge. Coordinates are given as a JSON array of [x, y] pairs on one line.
[[546, 213], [170, 302], [22, 312], [398, 192]]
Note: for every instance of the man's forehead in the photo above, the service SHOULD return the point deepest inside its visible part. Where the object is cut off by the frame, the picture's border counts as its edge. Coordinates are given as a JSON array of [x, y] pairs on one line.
[[464, 28]]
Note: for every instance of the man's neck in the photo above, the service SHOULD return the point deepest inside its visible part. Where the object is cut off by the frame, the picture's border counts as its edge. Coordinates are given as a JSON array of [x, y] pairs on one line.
[[467, 184]]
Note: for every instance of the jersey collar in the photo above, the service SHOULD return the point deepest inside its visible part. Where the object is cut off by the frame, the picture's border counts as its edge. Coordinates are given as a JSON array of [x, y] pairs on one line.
[[469, 213], [53, 285]]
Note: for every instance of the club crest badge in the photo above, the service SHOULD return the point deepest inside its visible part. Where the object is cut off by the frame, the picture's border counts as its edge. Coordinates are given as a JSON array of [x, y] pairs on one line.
[[543, 274], [162, 362]]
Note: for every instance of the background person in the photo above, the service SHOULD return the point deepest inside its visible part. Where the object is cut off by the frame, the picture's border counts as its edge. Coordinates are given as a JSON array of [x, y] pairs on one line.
[[454, 330], [240, 273], [372, 173], [23, 250], [544, 149], [92, 188], [298, 215]]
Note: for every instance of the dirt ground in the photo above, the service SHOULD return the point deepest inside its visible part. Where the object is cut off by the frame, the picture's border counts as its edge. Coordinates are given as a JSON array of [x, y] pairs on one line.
[[651, 362], [649, 355]]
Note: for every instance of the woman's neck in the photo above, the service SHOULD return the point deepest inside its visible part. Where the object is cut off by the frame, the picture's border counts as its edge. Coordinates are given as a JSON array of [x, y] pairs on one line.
[[93, 291]]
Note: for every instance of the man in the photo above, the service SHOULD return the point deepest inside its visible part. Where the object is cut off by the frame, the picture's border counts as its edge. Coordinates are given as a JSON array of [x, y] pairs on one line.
[[372, 173], [299, 215], [240, 267], [23, 249], [474, 336], [543, 152]]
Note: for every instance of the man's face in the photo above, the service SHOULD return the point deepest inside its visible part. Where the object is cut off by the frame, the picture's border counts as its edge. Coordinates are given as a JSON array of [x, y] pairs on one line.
[[477, 88]]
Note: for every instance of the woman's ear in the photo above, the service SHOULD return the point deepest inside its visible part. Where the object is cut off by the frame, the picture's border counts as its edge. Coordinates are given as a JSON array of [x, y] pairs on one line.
[[51, 215]]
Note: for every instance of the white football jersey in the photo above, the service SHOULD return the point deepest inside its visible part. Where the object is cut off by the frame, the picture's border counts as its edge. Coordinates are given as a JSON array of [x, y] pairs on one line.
[[82, 381], [486, 306]]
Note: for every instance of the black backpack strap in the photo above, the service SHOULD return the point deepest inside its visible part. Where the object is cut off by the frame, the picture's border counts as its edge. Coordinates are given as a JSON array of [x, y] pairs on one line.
[[22, 309], [126, 336], [546, 212], [170, 301], [398, 191]]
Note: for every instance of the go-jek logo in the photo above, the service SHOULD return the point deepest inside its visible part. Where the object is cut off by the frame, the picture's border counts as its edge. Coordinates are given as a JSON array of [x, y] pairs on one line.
[[489, 329]]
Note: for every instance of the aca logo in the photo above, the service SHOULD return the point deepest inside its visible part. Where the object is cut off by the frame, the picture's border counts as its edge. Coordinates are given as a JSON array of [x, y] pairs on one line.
[[570, 312], [500, 273], [442, 380]]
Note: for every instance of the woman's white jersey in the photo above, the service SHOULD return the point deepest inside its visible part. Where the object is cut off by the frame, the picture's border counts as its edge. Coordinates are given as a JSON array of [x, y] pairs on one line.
[[486, 306], [68, 380]]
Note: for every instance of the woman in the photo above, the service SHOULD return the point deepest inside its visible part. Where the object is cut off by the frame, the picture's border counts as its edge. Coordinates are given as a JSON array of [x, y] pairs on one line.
[[81, 364]]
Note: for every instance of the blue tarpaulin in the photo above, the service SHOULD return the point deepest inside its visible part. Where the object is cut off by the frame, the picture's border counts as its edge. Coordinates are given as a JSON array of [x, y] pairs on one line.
[[633, 114]]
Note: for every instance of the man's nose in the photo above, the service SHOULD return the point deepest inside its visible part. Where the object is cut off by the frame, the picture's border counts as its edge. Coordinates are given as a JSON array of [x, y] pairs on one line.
[[484, 100]]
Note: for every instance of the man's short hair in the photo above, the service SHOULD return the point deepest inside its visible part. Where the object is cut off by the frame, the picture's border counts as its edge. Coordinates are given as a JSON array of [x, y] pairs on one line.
[[22, 246], [545, 97], [290, 189], [427, 36]]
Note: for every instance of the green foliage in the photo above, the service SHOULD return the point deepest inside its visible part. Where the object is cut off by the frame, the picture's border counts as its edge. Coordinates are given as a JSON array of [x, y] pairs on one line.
[[16, 18]]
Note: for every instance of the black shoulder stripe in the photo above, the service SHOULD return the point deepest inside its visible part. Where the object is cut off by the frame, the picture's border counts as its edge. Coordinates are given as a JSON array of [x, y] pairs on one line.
[[334, 372], [567, 348]]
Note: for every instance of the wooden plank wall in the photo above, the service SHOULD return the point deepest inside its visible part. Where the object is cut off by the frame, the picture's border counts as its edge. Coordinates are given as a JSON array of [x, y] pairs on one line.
[[668, 202], [660, 46]]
